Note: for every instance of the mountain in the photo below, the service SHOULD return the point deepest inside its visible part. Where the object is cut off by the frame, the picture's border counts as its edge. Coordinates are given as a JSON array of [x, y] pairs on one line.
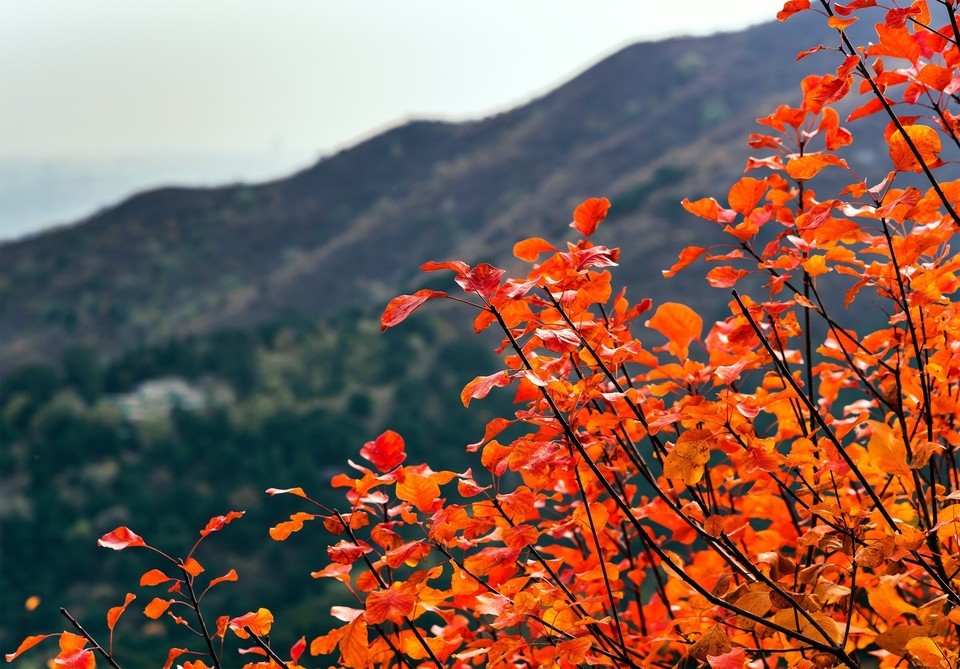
[[646, 127]]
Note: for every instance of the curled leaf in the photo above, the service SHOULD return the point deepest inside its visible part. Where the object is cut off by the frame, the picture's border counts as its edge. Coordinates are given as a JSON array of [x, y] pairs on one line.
[[120, 538], [402, 306]]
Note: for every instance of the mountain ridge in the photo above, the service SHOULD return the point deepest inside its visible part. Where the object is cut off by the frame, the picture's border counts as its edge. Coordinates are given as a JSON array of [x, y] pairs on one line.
[[652, 123]]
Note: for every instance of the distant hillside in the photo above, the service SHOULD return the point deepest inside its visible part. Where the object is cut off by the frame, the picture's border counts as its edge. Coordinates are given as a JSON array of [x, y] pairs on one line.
[[645, 127]]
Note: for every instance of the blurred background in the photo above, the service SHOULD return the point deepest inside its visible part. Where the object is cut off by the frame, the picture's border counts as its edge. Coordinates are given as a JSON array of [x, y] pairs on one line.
[[205, 206]]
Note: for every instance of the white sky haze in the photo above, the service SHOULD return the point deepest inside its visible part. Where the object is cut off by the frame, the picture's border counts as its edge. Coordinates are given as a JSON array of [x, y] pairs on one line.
[[278, 84]]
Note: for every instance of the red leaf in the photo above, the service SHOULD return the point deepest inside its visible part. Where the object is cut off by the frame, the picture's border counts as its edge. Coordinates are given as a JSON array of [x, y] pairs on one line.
[[217, 523], [114, 613], [559, 341], [75, 659], [481, 386], [400, 307], [484, 279], [792, 7], [588, 215], [297, 649], [386, 451], [393, 605], [453, 265], [348, 552], [596, 256], [872, 106], [120, 538], [851, 7], [410, 553]]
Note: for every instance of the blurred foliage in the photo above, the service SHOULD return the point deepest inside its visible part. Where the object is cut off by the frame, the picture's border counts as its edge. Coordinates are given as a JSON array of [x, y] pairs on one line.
[[290, 403]]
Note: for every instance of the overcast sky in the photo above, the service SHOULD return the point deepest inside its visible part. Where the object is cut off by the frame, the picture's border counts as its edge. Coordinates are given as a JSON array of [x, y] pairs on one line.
[[294, 79]]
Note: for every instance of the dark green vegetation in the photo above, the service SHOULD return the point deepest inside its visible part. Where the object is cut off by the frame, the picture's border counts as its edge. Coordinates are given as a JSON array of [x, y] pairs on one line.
[[646, 127], [287, 403]]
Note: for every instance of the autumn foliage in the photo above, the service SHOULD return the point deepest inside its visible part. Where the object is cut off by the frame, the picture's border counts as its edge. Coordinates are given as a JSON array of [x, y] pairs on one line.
[[778, 488]]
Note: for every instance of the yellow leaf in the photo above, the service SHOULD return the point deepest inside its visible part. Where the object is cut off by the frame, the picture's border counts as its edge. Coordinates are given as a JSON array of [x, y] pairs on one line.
[[926, 651], [689, 456]]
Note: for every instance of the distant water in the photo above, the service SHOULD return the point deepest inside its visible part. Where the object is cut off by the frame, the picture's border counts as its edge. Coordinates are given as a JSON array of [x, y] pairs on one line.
[[36, 195]]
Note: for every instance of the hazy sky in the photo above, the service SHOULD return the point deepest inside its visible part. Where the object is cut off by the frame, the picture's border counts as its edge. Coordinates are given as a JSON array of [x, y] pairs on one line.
[[293, 79]]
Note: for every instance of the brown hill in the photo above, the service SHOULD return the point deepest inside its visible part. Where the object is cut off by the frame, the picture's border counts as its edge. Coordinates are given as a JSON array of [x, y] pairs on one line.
[[645, 127]]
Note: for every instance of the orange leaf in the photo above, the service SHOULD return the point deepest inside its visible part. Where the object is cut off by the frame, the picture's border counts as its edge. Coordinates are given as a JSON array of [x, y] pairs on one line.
[[324, 645], [114, 613], [689, 456], [394, 605], [530, 249], [420, 491], [154, 577], [259, 623], [192, 567], [687, 256], [386, 451], [886, 450], [744, 195], [924, 138], [807, 167], [708, 208], [355, 645], [481, 386], [573, 651], [173, 655], [217, 523], [400, 307], [229, 576], [120, 538], [678, 323], [156, 607], [27, 644], [725, 276], [588, 215], [281, 531]]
